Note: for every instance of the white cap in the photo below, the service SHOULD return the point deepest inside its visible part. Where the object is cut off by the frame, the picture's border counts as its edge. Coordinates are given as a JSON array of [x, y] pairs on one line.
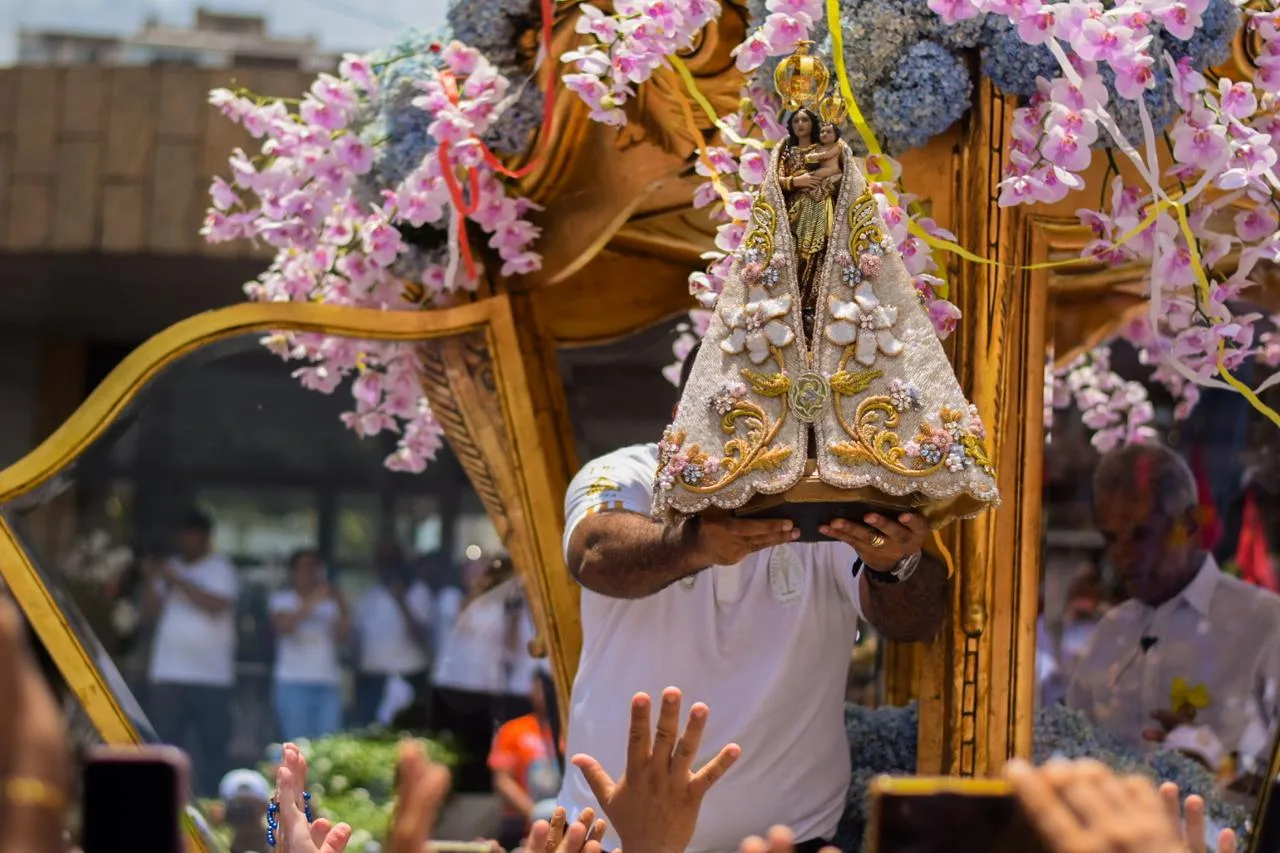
[[1198, 741], [247, 784]]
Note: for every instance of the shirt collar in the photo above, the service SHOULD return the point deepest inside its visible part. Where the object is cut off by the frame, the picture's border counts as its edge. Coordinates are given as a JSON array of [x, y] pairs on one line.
[[1199, 593]]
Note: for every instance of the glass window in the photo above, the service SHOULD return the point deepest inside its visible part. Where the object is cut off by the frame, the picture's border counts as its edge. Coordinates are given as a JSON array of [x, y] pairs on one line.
[[261, 526], [355, 530], [475, 537]]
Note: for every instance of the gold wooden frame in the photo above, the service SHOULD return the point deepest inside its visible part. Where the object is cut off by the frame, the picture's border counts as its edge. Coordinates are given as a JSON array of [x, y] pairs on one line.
[[536, 551]]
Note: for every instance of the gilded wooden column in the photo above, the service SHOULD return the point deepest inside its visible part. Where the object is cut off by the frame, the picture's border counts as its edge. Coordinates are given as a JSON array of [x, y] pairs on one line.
[[520, 466], [976, 679]]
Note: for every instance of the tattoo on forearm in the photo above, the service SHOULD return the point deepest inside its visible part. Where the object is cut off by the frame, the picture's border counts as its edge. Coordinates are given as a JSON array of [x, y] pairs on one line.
[[624, 554], [909, 612]]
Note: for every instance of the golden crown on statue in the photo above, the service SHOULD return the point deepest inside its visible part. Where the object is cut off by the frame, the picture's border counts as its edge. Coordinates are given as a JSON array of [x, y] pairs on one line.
[[801, 79]]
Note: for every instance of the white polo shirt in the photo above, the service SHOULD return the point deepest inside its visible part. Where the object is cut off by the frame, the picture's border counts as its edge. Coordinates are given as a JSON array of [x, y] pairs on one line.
[[765, 644]]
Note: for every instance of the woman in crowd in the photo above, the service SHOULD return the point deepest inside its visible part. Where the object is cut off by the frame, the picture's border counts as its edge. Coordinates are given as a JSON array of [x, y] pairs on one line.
[[311, 622], [393, 627], [473, 674]]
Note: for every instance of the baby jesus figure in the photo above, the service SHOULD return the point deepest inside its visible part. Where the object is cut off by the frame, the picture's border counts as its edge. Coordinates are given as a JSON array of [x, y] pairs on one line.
[[826, 162]]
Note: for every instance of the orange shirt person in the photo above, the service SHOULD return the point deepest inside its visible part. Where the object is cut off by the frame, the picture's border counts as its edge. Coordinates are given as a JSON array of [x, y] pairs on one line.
[[525, 767]]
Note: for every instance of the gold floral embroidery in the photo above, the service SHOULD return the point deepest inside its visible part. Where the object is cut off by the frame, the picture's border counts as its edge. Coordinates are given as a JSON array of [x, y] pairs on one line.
[[764, 219], [954, 444], [864, 234]]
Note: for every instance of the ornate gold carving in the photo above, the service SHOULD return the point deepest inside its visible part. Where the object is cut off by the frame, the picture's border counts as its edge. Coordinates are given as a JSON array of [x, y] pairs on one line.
[[863, 230], [457, 379], [809, 395]]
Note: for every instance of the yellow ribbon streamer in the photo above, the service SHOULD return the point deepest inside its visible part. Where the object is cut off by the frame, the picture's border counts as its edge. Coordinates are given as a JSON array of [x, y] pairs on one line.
[[1202, 282]]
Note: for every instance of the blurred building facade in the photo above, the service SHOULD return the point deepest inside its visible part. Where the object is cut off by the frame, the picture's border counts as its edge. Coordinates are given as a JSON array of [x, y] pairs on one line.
[[216, 40]]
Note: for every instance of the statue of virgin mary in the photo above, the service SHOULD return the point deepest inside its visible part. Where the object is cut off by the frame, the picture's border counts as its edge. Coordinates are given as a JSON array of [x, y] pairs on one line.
[[821, 390]]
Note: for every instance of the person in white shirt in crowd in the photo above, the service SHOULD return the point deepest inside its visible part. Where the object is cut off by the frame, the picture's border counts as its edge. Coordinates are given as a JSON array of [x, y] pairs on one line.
[[742, 617], [477, 667], [393, 634], [192, 667], [1192, 659], [311, 622]]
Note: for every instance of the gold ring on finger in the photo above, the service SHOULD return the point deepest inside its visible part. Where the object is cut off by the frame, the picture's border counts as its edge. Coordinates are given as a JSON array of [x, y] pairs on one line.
[[25, 792], [878, 540]]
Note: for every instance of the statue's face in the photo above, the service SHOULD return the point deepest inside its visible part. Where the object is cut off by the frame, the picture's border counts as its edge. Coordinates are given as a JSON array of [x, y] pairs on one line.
[[801, 125], [828, 134]]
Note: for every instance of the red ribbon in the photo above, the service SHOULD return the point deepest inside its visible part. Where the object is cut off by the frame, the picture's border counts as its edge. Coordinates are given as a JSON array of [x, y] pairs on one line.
[[461, 206]]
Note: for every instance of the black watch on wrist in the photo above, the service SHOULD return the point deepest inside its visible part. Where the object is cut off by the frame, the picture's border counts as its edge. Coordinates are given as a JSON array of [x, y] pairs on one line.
[[873, 575], [905, 568]]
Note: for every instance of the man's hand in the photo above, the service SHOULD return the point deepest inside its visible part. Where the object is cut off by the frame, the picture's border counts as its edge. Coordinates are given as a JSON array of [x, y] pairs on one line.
[[1192, 825], [722, 540], [881, 542], [654, 807], [1081, 806], [1168, 721]]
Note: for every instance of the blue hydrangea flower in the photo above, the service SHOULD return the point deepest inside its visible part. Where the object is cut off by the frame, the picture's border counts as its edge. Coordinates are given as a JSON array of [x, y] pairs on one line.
[[1011, 64], [927, 92], [884, 741], [1210, 45]]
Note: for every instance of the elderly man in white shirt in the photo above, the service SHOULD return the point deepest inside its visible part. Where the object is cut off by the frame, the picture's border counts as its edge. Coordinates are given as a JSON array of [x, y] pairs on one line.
[[1192, 659], [741, 616]]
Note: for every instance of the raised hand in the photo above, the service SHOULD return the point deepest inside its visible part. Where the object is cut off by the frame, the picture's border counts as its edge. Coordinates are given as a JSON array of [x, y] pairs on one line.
[[654, 807], [421, 786], [1081, 806], [559, 836], [35, 769], [779, 839], [321, 828], [1188, 818], [295, 834], [558, 830]]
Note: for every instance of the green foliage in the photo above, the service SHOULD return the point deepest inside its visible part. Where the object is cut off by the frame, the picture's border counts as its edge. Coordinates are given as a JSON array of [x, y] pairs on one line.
[[352, 778]]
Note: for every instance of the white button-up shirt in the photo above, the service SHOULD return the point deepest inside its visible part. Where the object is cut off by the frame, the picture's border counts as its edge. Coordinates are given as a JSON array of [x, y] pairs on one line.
[[1219, 636]]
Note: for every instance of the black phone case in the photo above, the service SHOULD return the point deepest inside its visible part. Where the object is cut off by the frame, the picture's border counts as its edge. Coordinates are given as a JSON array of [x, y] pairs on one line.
[[808, 517]]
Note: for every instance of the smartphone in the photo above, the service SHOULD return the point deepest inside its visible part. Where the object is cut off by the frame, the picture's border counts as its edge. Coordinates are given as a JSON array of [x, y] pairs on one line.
[[133, 799], [948, 815]]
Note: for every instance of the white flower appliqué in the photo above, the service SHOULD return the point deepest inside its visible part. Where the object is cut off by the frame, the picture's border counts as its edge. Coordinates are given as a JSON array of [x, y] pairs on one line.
[[864, 322], [755, 326]]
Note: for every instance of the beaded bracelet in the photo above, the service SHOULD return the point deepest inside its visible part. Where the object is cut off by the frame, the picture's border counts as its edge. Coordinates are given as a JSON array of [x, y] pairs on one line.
[[273, 819]]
